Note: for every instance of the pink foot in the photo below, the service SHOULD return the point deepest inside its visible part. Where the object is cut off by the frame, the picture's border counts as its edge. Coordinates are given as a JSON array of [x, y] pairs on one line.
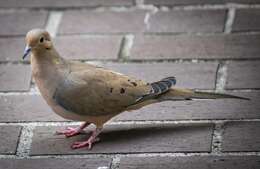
[[88, 143], [69, 132]]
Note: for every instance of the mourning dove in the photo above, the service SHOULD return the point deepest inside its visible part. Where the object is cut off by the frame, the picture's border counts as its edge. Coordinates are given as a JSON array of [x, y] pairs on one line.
[[84, 92]]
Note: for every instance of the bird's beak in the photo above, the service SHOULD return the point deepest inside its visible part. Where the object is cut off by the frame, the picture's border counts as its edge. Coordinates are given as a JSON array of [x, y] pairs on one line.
[[26, 52]]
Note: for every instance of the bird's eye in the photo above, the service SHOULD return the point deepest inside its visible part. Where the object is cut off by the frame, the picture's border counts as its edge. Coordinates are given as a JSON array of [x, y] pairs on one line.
[[42, 39]]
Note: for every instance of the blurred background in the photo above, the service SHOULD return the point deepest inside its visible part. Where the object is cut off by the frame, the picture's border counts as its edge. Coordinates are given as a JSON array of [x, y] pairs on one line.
[[211, 45]]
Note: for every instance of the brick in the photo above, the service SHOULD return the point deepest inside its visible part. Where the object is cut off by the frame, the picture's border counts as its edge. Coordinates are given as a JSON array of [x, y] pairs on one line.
[[190, 162], [246, 20], [129, 139], [199, 109], [20, 108], [91, 47], [234, 46], [102, 22], [187, 21], [243, 1], [181, 2], [197, 2], [15, 77], [55, 163], [19, 23], [189, 75], [11, 49], [9, 136], [243, 75], [63, 3], [241, 136]]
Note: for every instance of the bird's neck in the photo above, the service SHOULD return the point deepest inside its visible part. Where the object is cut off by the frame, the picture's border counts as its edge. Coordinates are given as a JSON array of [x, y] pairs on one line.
[[48, 69]]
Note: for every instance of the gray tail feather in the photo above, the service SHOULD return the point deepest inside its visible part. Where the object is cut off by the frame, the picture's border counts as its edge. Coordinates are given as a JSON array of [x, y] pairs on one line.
[[212, 95], [187, 94]]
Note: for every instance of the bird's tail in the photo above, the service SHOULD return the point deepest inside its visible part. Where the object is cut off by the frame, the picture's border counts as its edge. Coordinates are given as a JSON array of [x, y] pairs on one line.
[[187, 94]]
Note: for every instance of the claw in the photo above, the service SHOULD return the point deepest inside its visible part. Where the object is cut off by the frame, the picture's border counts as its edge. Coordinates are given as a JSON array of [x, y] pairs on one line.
[[69, 132], [80, 144]]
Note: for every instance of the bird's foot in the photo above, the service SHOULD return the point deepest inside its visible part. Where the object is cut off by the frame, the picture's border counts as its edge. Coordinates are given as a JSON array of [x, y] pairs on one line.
[[69, 132], [88, 143]]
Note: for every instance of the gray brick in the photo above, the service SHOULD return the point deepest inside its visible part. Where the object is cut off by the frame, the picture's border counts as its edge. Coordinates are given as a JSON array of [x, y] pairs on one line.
[[55, 163], [15, 77], [129, 139], [192, 162], [241, 136], [63, 3], [91, 47], [11, 49], [19, 23], [243, 75], [243, 1], [196, 2], [181, 2], [102, 22], [246, 20], [9, 136], [20, 108], [189, 75], [187, 21], [199, 109], [235, 46]]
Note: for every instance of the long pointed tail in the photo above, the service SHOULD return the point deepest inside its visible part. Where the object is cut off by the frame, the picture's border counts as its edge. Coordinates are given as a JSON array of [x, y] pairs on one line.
[[187, 94]]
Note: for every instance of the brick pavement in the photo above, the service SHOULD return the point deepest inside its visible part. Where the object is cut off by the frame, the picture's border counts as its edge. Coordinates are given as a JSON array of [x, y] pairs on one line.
[[207, 45]]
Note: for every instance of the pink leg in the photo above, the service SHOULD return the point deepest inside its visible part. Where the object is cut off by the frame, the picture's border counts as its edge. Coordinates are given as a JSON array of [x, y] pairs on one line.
[[69, 131], [92, 139]]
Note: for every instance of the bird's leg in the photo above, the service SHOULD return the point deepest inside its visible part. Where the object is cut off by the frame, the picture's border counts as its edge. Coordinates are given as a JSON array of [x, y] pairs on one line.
[[92, 139], [69, 131]]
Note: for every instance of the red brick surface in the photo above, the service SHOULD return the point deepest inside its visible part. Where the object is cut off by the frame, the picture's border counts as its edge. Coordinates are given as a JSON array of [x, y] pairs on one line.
[[9, 136], [129, 139], [79, 163], [18, 23], [102, 22], [243, 75], [246, 20], [187, 21], [15, 77], [63, 3], [91, 47], [241, 136], [236, 46]]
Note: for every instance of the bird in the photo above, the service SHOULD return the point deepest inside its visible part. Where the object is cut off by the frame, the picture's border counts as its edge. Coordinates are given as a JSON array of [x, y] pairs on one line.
[[92, 94]]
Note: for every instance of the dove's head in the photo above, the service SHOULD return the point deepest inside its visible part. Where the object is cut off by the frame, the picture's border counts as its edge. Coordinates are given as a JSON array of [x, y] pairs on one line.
[[37, 39]]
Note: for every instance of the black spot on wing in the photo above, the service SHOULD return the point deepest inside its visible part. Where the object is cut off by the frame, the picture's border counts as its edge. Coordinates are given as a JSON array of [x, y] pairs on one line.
[[134, 84], [122, 90]]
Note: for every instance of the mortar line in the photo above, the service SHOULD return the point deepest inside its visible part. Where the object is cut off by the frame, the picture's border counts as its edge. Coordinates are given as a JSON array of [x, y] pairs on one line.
[[131, 122], [24, 143], [133, 7], [115, 162], [221, 77], [216, 146], [53, 22], [230, 17], [123, 155], [126, 46]]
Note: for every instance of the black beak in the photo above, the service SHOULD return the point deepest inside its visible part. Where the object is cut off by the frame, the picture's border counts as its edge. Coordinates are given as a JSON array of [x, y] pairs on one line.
[[26, 52]]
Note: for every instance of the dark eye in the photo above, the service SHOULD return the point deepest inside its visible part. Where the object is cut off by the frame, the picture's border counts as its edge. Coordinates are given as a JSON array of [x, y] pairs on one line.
[[42, 39]]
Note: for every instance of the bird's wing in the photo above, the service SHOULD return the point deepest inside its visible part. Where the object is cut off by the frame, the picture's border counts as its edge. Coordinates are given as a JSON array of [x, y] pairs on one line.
[[91, 90]]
